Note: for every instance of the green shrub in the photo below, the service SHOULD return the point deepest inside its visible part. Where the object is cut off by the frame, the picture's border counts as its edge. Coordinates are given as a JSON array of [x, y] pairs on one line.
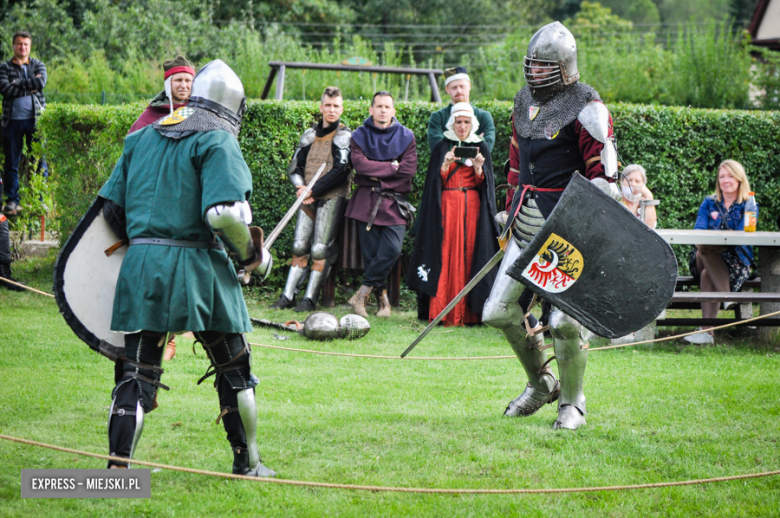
[[766, 79], [680, 148], [82, 145]]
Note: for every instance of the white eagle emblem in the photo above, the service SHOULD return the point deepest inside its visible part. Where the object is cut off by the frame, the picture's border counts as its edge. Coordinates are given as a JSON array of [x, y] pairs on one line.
[[422, 273]]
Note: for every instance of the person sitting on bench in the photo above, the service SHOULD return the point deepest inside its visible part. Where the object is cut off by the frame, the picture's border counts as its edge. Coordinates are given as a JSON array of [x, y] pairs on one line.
[[721, 268]]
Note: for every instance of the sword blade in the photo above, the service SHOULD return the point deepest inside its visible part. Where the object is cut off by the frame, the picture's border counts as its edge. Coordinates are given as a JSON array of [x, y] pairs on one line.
[[269, 323], [465, 291], [269, 241]]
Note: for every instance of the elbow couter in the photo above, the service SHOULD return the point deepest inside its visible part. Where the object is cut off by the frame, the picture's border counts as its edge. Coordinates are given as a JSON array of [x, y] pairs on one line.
[[230, 221]]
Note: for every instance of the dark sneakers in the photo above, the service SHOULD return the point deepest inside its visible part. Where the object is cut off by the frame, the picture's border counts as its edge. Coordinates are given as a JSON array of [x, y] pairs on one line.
[[305, 305], [5, 272], [11, 208], [283, 303]]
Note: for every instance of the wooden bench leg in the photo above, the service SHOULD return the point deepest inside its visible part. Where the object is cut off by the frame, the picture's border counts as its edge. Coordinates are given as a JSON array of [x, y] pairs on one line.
[[745, 310]]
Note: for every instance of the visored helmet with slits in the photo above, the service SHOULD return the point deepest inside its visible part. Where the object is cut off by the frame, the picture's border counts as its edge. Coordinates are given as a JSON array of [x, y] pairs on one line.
[[551, 58]]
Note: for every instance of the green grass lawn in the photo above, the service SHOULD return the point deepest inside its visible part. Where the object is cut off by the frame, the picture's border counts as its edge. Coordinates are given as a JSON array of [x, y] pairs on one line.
[[656, 413]]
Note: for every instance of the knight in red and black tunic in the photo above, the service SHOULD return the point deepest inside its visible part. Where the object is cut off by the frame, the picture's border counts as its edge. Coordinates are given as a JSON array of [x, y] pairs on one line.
[[560, 127], [537, 165]]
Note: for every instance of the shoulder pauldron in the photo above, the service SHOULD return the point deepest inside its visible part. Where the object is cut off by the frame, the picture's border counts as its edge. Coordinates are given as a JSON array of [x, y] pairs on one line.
[[594, 117], [343, 137], [307, 138]]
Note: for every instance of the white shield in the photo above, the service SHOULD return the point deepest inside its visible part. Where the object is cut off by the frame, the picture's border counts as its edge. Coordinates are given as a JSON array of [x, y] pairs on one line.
[[85, 279]]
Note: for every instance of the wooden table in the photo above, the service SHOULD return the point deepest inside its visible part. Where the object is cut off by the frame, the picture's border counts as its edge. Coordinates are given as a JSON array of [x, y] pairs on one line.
[[768, 244]]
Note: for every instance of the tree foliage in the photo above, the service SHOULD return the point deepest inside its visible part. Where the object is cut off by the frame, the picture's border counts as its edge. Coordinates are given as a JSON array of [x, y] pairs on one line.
[[742, 10], [682, 11], [643, 13], [117, 47], [597, 24]]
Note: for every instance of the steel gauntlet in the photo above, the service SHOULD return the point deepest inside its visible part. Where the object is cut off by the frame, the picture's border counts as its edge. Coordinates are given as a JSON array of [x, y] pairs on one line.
[[610, 189]]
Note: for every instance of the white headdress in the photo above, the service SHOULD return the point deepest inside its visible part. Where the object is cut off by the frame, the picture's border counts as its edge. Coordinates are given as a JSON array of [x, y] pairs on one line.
[[462, 110]]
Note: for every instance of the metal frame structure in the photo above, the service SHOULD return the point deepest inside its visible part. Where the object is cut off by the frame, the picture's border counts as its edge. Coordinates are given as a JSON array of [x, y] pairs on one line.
[[279, 67]]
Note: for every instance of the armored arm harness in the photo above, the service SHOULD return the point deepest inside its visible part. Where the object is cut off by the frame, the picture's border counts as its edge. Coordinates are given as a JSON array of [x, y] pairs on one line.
[[230, 221]]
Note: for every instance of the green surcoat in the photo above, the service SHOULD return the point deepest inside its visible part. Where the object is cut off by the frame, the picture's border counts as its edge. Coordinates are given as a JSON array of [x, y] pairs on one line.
[[165, 187], [438, 122]]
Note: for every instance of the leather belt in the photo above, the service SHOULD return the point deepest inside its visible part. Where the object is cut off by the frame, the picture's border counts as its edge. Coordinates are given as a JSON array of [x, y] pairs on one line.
[[122, 412], [147, 379], [400, 200], [463, 189], [211, 245]]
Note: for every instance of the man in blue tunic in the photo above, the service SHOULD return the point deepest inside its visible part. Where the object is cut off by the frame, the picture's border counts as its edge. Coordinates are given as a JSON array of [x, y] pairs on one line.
[[179, 182]]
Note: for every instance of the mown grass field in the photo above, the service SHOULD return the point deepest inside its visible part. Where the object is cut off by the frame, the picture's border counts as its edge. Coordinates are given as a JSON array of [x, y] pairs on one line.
[[656, 413]]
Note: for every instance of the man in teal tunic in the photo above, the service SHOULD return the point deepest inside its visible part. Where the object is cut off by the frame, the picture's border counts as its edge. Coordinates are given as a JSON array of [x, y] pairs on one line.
[[458, 86], [178, 183]]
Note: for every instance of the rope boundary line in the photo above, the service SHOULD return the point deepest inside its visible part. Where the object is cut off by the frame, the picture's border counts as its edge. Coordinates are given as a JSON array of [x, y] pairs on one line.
[[9, 281], [390, 489], [458, 358], [379, 357], [473, 358]]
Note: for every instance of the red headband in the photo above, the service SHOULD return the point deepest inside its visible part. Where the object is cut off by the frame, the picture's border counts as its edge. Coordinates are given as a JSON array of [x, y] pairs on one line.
[[176, 70]]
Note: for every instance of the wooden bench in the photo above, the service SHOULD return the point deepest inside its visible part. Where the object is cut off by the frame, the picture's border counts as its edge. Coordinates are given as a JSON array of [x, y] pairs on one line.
[[685, 282], [695, 298], [768, 249], [743, 309], [688, 280]]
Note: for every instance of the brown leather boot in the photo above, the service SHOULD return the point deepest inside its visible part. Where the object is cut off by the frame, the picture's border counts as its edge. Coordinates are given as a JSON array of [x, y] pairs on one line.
[[384, 305], [170, 349], [360, 299]]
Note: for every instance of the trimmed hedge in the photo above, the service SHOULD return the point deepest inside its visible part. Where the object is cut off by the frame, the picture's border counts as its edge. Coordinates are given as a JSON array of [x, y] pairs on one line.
[[679, 147]]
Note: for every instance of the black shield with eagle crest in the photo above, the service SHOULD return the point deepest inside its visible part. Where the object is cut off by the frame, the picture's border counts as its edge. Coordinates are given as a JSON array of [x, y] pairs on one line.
[[598, 263]]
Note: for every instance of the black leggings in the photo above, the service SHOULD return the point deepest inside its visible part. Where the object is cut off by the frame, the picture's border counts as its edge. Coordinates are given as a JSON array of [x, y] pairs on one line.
[[137, 378]]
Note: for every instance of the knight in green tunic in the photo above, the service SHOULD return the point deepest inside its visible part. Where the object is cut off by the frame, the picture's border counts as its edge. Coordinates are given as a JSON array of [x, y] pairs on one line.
[[178, 183], [165, 187]]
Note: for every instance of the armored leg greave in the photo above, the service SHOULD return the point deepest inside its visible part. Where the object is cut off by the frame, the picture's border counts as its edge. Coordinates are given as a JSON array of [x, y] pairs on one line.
[[323, 250], [503, 312], [294, 278], [304, 230], [230, 361], [570, 341], [124, 426], [239, 418], [137, 379]]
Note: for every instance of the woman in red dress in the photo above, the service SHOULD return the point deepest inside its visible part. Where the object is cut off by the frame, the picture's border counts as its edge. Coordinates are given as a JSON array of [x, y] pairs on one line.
[[465, 200]]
